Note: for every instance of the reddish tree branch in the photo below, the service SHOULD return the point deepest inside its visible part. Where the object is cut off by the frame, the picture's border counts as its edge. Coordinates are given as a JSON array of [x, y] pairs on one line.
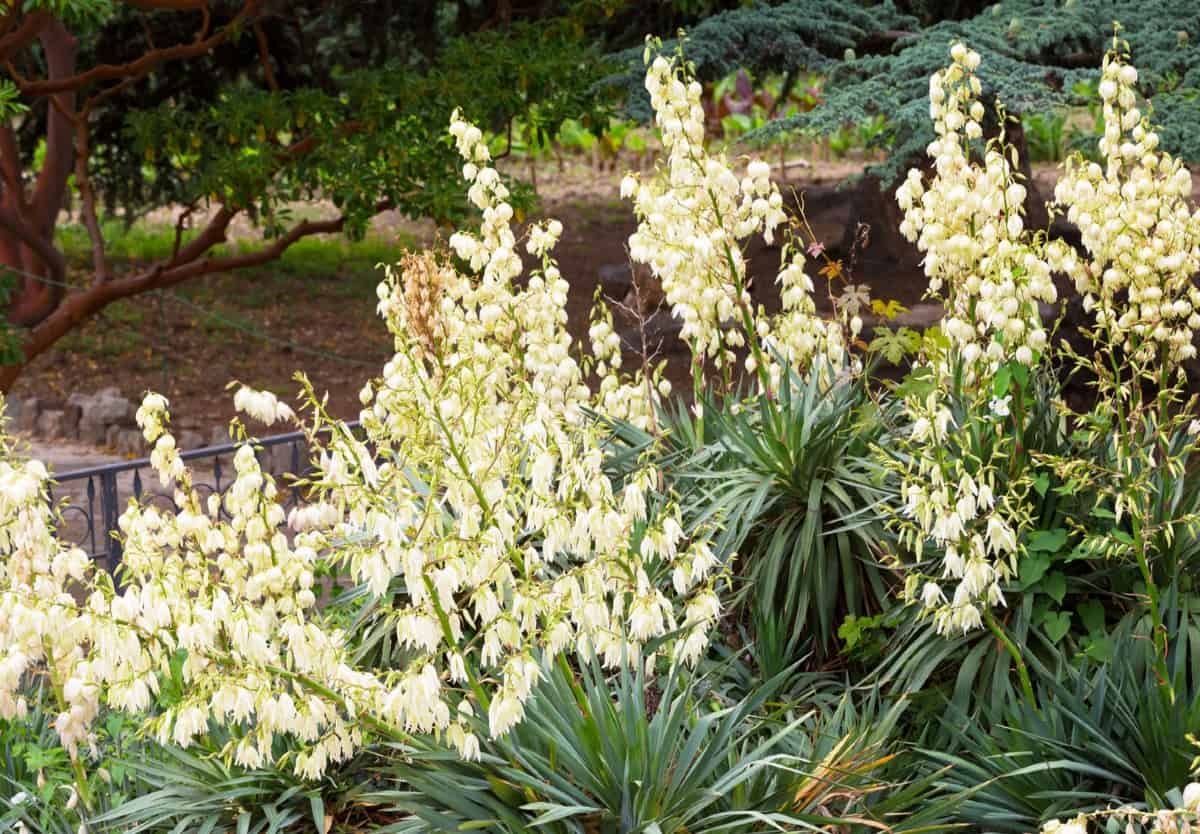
[[212, 234], [179, 224], [28, 235], [60, 48], [10, 167], [264, 55], [144, 65], [168, 277], [78, 306], [87, 199], [15, 225], [24, 35]]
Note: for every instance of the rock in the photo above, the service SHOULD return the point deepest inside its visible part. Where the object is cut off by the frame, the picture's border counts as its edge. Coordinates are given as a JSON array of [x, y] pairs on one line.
[[662, 335], [70, 421], [623, 283], [615, 280], [827, 208], [646, 295], [58, 423], [189, 439], [102, 410], [50, 424], [129, 442], [11, 412], [27, 415]]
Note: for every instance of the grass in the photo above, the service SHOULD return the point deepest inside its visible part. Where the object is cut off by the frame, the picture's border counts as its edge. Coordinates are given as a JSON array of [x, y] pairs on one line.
[[314, 257], [322, 270]]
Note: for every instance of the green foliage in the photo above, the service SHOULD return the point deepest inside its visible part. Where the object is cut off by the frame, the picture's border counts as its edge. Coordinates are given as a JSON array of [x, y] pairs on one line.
[[1099, 735], [310, 258], [194, 790], [37, 780], [877, 60], [763, 736], [378, 135], [895, 344], [790, 480], [1064, 600], [11, 105], [371, 84], [84, 13], [622, 755], [1045, 134]]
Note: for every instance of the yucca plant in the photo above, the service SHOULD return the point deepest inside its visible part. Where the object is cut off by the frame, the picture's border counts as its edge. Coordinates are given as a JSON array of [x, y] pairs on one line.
[[1099, 735], [600, 754], [791, 480], [185, 790], [31, 747], [1061, 602], [40, 790]]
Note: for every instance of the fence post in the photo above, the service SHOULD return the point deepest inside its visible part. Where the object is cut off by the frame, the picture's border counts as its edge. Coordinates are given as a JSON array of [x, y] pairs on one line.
[[108, 509]]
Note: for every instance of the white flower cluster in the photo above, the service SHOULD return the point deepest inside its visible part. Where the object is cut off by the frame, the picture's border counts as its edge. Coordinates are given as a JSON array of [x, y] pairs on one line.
[[1143, 244], [969, 223], [476, 509], [950, 498], [1179, 820], [992, 274], [217, 578], [1142, 236], [41, 623], [693, 216], [491, 502], [263, 406], [213, 581]]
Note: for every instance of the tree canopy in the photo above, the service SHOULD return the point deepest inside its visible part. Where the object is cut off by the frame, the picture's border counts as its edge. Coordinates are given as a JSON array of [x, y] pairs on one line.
[[246, 107], [878, 58]]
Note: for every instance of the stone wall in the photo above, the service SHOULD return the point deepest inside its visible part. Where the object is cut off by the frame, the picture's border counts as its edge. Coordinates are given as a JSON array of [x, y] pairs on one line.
[[104, 418]]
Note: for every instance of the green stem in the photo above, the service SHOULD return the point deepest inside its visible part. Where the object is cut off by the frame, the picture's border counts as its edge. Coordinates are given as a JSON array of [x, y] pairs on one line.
[[81, 781], [1017, 462], [1006, 641], [448, 634], [81, 786], [1158, 629]]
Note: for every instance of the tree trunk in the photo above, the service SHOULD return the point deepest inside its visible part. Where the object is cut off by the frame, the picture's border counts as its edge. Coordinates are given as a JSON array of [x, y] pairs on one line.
[[27, 222]]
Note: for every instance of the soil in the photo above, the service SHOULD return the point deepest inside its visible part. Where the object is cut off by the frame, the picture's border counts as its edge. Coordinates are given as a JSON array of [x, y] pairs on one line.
[[260, 327]]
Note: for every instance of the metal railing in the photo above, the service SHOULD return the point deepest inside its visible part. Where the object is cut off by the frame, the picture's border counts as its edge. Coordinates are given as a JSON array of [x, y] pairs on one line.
[[97, 495]]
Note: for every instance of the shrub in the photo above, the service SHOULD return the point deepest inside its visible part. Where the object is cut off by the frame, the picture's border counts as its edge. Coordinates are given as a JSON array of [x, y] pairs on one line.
[[499, 516], [626, 755]]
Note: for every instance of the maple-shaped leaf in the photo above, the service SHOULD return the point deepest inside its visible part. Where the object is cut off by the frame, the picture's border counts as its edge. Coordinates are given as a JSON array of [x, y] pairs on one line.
[[887, 309], [832, 270], [894, 345], [854, 297]]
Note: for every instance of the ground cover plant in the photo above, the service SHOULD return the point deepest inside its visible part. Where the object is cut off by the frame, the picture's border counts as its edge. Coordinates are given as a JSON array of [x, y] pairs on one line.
[[538, 590]]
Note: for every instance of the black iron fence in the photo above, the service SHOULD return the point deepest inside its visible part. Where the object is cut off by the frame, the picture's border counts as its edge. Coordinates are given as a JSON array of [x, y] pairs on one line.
[[96, 496]]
